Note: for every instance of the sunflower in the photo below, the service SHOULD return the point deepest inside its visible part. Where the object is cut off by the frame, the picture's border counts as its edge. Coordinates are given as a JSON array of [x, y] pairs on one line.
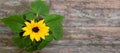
[[36, 30]]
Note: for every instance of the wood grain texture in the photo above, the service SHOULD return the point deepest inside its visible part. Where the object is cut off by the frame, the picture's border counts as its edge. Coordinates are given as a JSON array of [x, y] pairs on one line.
[[90, 26], [90, 4]]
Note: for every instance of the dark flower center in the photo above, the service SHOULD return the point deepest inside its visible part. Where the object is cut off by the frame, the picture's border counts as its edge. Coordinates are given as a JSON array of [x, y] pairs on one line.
[[35, 29]]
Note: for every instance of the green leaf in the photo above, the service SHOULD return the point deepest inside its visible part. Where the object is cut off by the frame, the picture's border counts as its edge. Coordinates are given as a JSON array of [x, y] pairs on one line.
[[49, 37], [40, 7], [26, 41], [54, 22], [15, 22], [17, 40], [56, 29], [15, 27], [20, 41], [43, 44], [15, 18], [54, 18], [29, 15], [31, 48]]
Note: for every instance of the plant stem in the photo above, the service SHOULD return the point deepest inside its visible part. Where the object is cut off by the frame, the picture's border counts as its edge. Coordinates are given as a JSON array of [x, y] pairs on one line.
[[37, 15]]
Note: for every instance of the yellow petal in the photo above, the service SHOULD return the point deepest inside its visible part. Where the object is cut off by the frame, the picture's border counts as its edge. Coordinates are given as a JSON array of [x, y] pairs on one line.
[[25, 33], [41, 21], [32, 22], [37, 38], [43, 37], [46, 27], [32, 36], [27, 23], [24, 28], [47, 34]]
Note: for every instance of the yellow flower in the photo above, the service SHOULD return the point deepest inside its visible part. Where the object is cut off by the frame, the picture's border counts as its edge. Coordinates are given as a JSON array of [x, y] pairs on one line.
[[36, 30]]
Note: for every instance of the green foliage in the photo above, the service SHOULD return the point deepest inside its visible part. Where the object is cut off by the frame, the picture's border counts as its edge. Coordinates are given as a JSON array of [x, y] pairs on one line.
[[21, 42], [30, 16], [54, 18], [43, 44], [54, 22], [24, 42], [16, 22], [40, 7], [49, 38]]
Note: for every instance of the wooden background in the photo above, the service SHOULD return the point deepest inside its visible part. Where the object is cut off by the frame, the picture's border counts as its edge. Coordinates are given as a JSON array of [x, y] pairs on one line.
[[90, 26]]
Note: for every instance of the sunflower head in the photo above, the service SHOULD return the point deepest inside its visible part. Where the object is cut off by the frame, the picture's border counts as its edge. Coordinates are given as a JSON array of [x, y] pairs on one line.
[[36, 30]]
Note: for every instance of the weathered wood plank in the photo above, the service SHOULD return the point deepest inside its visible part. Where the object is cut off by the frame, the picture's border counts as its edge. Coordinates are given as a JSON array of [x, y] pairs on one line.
[[90, 17], [67, 49], [78, 15], [91, 4], [7, 42]]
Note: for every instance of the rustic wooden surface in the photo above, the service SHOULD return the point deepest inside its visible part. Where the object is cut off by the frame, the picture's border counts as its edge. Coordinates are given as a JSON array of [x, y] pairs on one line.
[[90, 26]]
